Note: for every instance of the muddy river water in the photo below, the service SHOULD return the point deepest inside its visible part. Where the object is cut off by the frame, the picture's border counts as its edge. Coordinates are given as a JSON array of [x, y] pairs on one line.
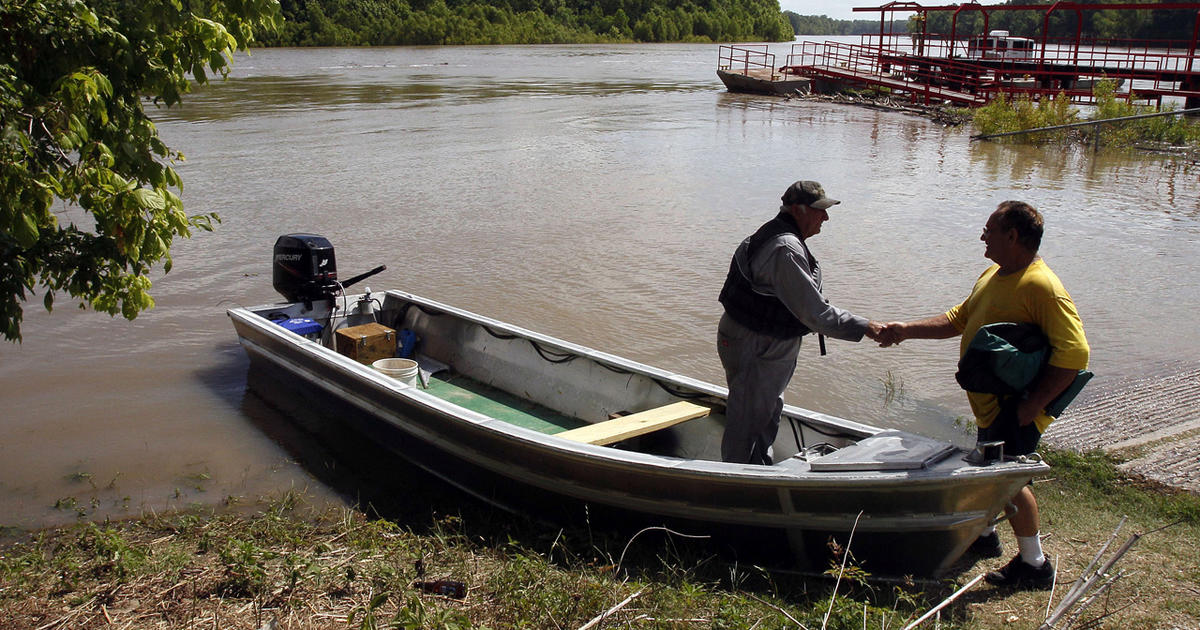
[[593, 193]]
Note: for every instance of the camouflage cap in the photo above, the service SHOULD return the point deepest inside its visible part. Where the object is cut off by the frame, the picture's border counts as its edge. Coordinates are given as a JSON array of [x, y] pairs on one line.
[[808, 193]]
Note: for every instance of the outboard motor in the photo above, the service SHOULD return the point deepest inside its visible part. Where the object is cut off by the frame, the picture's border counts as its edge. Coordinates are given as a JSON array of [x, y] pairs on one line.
[[304, 268]]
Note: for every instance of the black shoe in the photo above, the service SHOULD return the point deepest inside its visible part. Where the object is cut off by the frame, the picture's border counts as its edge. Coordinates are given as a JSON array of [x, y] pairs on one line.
[[987, 546], [1019, 574]]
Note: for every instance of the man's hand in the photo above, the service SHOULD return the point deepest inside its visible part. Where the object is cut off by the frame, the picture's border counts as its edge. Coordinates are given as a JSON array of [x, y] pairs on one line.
[[875, 330], [1027, 412], [1049, 385], [889, 334]]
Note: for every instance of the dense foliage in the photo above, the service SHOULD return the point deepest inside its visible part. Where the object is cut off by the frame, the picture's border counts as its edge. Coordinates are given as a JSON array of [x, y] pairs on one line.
[[1156, 24], [74, 79], [422, 22]]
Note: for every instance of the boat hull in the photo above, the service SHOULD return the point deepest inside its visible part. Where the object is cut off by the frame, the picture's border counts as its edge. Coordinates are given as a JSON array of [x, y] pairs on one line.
[[903, 521], [750, 84]]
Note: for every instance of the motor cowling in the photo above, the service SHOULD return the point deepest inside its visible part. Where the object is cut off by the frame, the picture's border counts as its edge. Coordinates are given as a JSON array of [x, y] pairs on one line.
[[304, 268]]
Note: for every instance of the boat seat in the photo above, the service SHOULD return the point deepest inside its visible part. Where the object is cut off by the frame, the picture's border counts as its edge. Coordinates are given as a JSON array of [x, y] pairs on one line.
[[640, 423]]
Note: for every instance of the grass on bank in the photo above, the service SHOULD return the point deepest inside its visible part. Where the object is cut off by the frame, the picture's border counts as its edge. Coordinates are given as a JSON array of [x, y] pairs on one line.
[[286, 568], [1006, 114]]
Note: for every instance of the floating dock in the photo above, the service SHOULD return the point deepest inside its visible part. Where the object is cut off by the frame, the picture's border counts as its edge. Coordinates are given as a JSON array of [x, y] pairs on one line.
[[973, 69]]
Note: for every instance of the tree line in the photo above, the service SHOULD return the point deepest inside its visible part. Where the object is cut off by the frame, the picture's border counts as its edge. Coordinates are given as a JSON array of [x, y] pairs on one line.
[[441, 22], [824, 25], [1146, 24], [1159, 23]]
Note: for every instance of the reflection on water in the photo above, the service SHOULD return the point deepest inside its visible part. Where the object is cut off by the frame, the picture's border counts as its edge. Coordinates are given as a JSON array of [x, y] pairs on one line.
[[277, 95], [593, 193]]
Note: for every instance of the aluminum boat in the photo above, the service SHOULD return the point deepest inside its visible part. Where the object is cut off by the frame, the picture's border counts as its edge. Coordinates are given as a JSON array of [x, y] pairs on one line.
[[519, 419]]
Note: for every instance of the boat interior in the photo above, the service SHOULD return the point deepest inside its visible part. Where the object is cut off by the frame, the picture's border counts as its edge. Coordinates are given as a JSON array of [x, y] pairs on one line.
[[558, 388]]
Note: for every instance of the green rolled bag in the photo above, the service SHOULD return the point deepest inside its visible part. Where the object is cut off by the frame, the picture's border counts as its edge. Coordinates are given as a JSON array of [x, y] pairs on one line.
[[1005, 358]]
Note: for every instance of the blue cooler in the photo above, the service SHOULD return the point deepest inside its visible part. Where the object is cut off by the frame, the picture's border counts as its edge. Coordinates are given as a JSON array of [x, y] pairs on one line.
[[304, 326]]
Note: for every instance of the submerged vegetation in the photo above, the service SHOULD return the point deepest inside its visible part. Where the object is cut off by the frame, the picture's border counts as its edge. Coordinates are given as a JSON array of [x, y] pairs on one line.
[[286, 567], [1005, 115]]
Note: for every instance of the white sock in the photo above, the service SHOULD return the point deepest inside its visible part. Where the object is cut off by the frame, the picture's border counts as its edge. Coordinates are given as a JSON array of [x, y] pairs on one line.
[[1031, 550]]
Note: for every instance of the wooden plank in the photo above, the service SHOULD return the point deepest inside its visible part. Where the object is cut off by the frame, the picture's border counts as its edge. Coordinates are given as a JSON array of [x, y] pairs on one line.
[[635, 424]]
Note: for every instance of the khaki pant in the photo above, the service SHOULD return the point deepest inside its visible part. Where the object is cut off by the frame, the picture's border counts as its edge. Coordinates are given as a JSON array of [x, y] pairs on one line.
[[757, 369]]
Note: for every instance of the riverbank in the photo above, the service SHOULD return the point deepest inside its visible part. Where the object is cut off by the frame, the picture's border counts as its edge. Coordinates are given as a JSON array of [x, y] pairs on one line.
[[282, 566], [1148, 423]]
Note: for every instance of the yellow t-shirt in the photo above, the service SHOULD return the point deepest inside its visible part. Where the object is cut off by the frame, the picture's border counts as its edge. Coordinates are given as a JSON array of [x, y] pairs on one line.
[[1033, 295]]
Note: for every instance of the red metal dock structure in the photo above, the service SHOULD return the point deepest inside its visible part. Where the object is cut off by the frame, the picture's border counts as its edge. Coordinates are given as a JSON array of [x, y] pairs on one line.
[[959, 68]]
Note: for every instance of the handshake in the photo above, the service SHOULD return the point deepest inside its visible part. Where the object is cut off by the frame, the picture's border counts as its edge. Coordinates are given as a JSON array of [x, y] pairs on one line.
[[889, 334]]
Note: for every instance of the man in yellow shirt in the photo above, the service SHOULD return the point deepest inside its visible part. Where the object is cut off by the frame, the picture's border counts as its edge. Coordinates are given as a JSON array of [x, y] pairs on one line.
[[1019, 288]]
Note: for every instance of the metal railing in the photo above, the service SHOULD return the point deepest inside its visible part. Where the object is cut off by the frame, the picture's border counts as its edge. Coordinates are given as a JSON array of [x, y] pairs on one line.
[[926, 67], [872, 65], [748, 59]]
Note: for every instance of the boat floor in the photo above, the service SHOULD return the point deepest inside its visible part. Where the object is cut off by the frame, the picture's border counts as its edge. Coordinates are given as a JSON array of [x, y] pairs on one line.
[[489, 401]]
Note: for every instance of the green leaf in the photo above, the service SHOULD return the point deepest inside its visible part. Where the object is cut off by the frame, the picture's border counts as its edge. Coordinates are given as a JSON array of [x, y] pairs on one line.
[[26, 230], [149, 199]]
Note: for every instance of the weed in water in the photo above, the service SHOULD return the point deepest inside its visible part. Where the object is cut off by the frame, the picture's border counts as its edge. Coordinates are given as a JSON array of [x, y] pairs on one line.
[[893, 388], [966, 424], [1005, 114], [82, 476]]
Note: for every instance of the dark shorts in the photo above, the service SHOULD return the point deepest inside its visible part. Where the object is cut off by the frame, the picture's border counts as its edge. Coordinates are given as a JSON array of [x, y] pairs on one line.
[[1018, 440]]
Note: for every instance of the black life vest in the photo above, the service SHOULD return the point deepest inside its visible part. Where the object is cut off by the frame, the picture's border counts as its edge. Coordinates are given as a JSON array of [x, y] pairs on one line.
[[762, 313]]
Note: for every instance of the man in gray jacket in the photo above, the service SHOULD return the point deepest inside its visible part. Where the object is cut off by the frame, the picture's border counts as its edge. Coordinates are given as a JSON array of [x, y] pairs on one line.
[[772, 298]]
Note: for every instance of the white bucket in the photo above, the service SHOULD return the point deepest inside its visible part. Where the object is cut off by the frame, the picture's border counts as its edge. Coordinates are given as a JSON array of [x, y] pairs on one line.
[[403, 370]]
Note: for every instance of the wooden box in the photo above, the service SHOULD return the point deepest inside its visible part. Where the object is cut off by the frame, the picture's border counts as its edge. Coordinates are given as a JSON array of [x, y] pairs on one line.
[[366, 343]]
